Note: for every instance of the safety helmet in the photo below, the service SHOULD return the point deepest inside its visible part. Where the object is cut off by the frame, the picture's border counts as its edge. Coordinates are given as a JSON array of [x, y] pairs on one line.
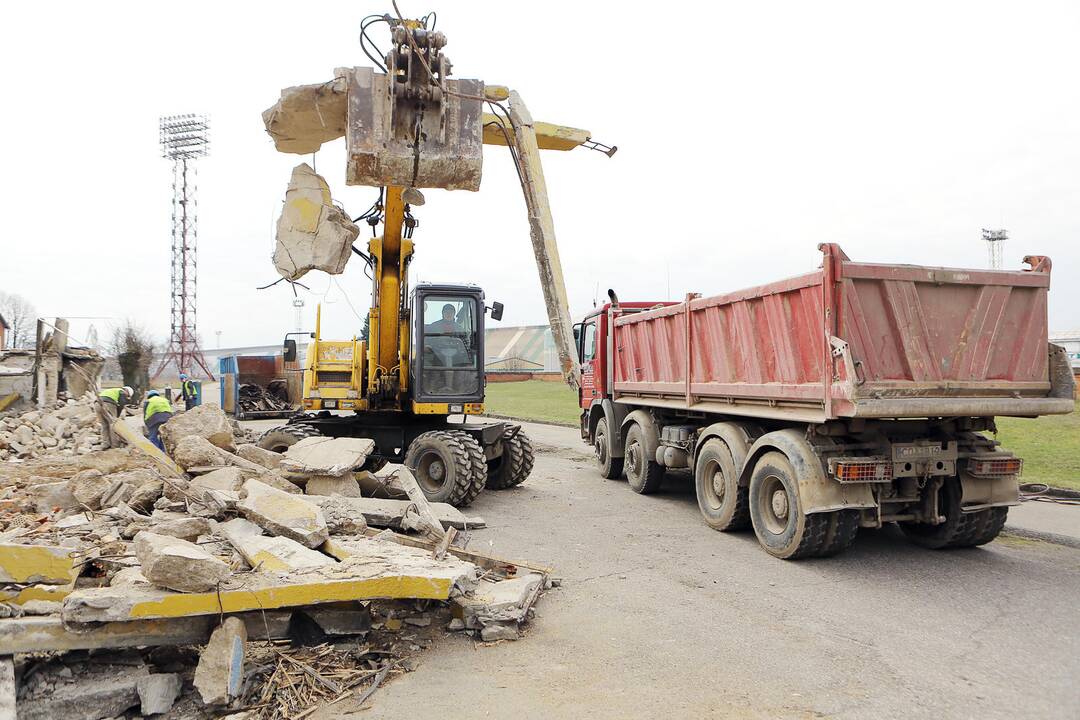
[[183, 376], [152, 393], [127, 391]]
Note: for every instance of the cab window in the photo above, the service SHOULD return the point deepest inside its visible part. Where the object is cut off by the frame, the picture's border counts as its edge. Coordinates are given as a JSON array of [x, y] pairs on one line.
[[588, 342], [450, 359]]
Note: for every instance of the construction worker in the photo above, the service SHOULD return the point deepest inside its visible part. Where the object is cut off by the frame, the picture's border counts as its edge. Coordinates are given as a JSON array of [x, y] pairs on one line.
[[156, 412], [110, 403], [187, 390]]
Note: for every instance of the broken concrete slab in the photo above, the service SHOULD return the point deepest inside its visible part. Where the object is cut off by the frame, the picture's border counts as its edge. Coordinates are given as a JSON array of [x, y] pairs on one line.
[[158, 692], [7, 688], [306, 116], [384, 512], [177, 564], [497, 608], [253, 453], [373, 569], [49, 634], [281, 513], [88, 486], [312, 232], [196, 451], [206, 421], [50, 496], [327, 456], [112, 691], [18, 595], [186, 528], [269, 553], [340, 519], [229, 479], [343, 485], [219, 675], [276, 481], [37, 564]]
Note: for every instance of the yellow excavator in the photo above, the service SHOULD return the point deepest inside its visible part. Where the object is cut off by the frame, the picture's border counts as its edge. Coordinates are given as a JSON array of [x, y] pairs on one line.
[[413, 382]]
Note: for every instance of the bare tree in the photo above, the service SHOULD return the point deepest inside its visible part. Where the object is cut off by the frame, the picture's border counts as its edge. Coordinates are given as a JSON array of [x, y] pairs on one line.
[[133, 348], [21, 318]]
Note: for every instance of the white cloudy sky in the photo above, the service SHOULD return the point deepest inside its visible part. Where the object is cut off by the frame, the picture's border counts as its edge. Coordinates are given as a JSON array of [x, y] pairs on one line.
[[748, 133]]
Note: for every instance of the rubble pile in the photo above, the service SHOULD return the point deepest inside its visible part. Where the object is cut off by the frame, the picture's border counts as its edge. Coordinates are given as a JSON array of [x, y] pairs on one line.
[[272, 398], [225, 546], [68, 427]]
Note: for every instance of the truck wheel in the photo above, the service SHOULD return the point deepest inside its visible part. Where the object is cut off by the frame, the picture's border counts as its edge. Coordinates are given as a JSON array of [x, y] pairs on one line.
[[723, 504], [642, 472], [281, 438], [843, 527], [991, 525], [516, 461], [449, 466], [610, 467], [959, 529], [779, 522]]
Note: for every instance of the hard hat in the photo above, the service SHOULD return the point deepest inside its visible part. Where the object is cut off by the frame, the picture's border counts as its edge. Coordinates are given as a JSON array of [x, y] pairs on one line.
[[127, 390], [183, 376], [152, 393]]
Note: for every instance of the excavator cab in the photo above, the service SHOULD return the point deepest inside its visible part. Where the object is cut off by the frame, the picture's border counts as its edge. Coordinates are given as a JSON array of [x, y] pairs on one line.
[[447, 370]]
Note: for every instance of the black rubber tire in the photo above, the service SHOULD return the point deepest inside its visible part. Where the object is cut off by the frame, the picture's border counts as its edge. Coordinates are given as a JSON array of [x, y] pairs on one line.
[[728, 509], [843, 527], [462, 470], [960, 529], [281, 438], [610, 467], [643, 473], [515, 463], [782, 528]]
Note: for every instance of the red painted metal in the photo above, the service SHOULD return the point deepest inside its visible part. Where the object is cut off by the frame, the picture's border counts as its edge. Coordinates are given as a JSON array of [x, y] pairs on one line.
[[842, 340]]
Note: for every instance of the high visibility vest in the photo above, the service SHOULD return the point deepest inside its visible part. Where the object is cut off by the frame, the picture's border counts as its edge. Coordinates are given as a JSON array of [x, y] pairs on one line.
[[112, 394], [187, 389], [155, 405]]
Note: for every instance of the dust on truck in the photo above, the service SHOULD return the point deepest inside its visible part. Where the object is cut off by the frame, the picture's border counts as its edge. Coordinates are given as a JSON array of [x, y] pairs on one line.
[[852, 396]]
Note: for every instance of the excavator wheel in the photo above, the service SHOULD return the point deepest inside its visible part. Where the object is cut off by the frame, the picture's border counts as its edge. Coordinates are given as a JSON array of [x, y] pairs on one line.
[[281, 438], [449, 466], [516, 462]]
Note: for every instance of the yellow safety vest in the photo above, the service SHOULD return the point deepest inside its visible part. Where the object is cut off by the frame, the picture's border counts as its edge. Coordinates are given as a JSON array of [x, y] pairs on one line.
[[155, 405], [112, 394]]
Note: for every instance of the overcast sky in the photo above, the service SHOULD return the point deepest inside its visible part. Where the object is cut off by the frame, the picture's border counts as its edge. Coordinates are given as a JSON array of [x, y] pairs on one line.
[[748, 133]]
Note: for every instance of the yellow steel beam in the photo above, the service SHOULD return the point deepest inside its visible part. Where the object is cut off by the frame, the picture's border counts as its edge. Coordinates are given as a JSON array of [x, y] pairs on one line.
[[548, 136]]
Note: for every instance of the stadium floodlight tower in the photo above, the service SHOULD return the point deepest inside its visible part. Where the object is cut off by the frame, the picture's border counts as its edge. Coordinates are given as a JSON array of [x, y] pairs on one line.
[[995, 246], [184, 138]]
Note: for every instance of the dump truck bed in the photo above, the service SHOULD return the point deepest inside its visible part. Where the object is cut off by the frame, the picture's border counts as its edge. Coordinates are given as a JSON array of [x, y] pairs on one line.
[[851, 340]]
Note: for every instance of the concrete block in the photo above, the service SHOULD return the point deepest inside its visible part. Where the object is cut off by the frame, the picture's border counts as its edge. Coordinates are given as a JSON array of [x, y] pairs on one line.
[[343, 485], [187, 528], [88, 487], [177, 564], [327, 456], [230, 479], [269, 553], [206, 421], [253, 453], [110, 692], [196, 451], [50, 496], [158, 692], [281, 513], [385, 512], [30, 564], [312, 232], [219, 675], [500, 605]]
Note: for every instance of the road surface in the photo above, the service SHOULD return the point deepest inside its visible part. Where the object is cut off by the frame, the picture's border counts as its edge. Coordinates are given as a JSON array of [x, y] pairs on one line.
[[660, 616]]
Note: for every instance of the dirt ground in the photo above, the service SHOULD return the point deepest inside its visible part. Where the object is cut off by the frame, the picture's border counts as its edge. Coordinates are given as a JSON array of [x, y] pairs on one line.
[[659, 616]]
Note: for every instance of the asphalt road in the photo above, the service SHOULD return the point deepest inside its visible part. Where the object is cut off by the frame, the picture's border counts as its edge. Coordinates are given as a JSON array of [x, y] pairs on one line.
[[660, 616]]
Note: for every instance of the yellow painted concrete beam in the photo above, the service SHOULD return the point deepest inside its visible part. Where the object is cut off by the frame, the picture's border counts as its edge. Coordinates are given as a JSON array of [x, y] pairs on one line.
[[32, 564], [50, 593], [548, 136]]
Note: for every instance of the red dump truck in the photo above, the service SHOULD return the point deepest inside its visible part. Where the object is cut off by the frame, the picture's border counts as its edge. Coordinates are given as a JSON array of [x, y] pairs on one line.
[[852, 396]]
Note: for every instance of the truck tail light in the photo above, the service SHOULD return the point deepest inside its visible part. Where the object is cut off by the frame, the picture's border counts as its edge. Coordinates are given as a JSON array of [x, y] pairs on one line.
[[857, 470], [995, 467]]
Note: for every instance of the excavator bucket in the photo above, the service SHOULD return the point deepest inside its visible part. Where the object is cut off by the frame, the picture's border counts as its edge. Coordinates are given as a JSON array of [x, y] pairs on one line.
[[396, 138]]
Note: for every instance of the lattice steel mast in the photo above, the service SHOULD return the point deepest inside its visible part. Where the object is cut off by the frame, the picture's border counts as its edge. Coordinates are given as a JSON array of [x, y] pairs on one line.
[[184, 138], [995, 246]]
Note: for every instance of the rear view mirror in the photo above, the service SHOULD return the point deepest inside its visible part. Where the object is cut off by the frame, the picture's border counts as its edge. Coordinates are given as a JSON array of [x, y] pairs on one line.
[[496, 310], [289, 350]]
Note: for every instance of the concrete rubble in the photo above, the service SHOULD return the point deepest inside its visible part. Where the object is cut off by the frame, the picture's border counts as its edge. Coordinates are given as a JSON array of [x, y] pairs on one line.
[[312, 232], [102, 550], [66, 428]]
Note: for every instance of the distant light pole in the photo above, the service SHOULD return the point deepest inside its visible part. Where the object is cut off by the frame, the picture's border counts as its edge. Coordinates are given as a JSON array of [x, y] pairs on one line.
[[995, 246], [218, 333]]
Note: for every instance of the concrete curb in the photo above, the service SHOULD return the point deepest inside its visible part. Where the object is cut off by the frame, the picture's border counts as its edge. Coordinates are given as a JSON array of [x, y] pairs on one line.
[[1054, 538]]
